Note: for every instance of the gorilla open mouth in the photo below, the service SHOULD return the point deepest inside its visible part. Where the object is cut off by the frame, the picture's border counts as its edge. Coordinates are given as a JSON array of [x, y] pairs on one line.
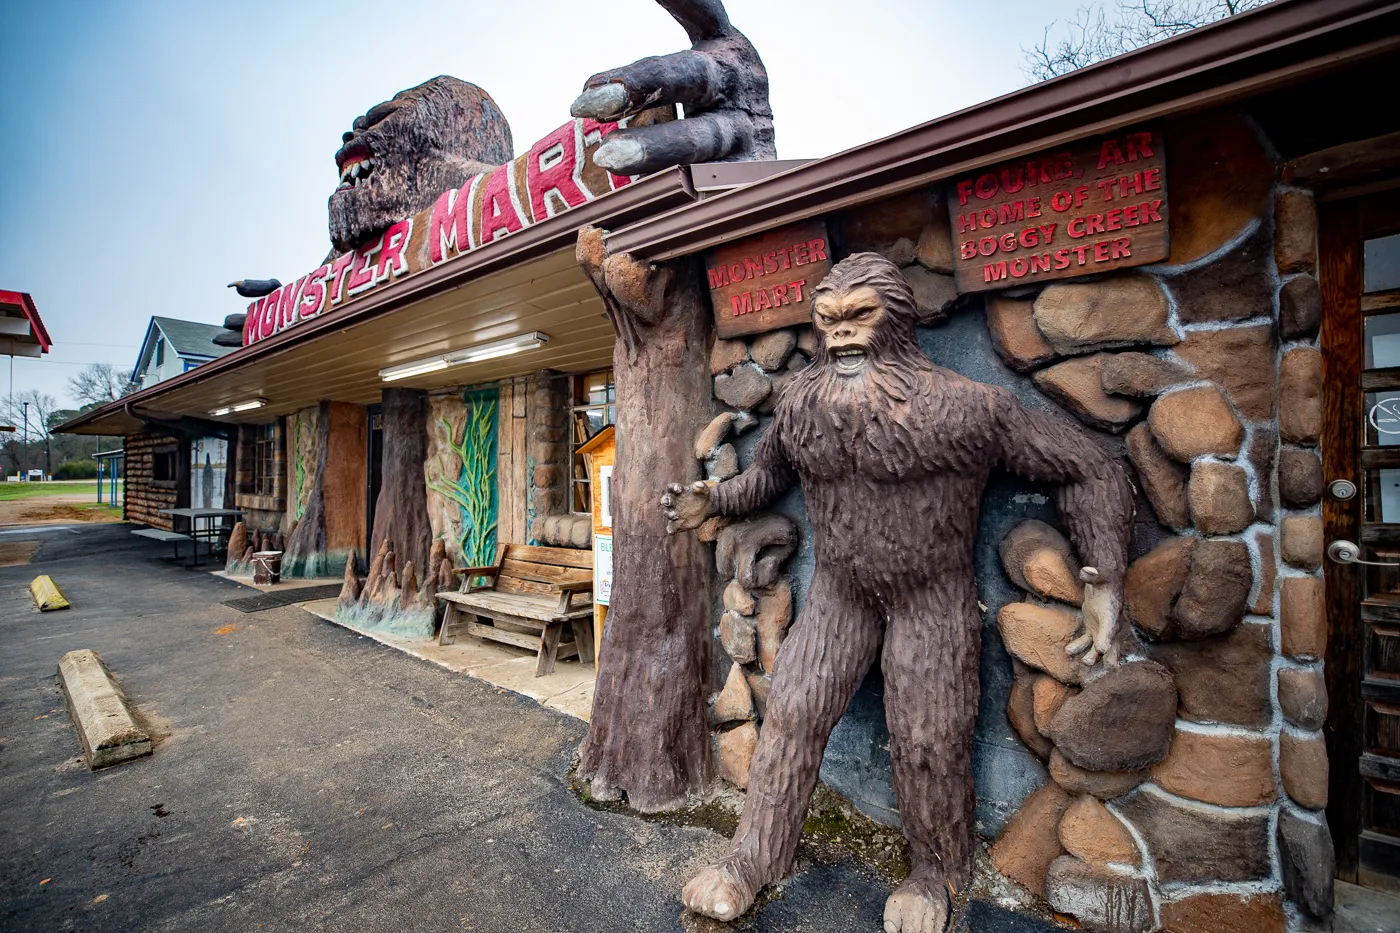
[[849, 360], [356, 163]]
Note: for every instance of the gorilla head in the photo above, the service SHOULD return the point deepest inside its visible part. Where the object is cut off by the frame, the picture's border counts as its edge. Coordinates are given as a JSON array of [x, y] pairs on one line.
[[406, 151]]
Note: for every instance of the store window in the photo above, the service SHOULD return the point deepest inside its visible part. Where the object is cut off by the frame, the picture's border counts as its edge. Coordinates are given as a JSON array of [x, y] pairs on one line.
[[594, 407], [165, 465], [261, 467], [265, 461]]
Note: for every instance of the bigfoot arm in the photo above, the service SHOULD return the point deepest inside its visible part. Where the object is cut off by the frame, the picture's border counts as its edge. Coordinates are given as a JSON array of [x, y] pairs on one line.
[[1095, 502], [768, 477]]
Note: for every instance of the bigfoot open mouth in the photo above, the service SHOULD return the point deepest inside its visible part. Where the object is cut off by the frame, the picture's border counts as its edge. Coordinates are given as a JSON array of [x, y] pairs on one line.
[[849, 360], [356, 162]]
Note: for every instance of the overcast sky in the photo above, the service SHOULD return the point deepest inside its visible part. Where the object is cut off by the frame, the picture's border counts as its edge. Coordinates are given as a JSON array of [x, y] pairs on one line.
[[155, 151]]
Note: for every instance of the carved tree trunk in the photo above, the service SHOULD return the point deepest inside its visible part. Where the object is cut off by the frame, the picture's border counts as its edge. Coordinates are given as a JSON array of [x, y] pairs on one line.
[[306, 545], [648, 735], [401, 511]]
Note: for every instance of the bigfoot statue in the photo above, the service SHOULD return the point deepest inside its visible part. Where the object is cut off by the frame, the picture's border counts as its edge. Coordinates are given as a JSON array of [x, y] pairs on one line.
[[892, 453]]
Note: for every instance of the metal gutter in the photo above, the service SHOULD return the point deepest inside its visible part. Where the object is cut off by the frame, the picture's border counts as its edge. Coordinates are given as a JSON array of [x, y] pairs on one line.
[[1283, 42], [652, 194]]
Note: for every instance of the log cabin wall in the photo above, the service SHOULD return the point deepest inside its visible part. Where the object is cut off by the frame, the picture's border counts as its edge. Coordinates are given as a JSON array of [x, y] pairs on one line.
[[143, 494], [1208, 801]]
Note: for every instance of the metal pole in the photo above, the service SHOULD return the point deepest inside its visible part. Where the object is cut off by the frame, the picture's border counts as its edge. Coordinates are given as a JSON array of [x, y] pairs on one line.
[[25, 469]]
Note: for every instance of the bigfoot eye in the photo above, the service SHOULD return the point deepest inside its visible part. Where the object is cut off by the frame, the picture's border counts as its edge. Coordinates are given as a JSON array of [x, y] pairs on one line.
[[864, 314], [828, 321]]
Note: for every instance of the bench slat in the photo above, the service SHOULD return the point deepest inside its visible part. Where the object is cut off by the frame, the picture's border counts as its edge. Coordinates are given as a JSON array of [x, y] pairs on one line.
[[580, 558], [487, 603], [544, 573], [158, 534], [567, 649]]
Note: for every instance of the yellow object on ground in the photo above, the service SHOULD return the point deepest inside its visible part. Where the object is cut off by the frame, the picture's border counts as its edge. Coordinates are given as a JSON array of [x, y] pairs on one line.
[[46, 594]]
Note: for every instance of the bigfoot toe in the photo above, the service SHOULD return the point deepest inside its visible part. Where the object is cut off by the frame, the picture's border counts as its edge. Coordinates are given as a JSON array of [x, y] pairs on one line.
[[923, 904], [719, 892]]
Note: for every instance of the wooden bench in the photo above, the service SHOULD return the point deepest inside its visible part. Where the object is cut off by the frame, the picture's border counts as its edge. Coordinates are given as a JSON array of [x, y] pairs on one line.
[[160, 534], [529, 601]]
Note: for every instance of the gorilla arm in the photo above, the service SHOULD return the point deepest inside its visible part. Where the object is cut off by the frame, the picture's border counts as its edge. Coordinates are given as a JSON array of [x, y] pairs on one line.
[[1096, 503]]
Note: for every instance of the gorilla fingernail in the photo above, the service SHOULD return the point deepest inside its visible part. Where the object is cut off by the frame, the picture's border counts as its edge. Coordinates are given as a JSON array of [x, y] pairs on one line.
[[604, 102]]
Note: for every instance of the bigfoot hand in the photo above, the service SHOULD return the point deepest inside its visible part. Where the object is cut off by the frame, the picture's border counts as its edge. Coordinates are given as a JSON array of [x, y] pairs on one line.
[[1101, 604], [685, 507], [720, 80]]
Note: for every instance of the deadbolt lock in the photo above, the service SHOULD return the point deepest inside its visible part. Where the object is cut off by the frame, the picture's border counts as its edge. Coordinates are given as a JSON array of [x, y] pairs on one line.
[[1342, 489]]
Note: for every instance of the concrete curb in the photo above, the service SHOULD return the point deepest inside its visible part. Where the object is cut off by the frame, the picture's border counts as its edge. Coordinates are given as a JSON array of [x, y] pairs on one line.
[[108, 731]]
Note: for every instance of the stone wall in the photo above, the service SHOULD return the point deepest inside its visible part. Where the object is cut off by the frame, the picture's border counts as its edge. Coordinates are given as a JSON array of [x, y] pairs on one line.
[[142, 495], [550, 520]]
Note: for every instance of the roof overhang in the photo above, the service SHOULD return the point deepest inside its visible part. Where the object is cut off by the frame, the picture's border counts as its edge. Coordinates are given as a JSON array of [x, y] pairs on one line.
[[22, 331], [1281, 43], [527, 281]]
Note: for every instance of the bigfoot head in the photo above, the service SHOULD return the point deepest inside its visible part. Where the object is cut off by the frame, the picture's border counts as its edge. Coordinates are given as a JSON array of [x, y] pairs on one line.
[[864, 313], [406, 151]]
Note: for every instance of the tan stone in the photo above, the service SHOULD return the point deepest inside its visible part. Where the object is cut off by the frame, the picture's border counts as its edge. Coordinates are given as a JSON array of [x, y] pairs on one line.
[[726, 354], [1302, 767], [1153, 582], [1303, 617], [1030, 841], [1299, 477], [877, 223], [1124, 310], [1020, 711], [745, 387], [1263, 602], [1191, 423], [1225, 913], [772, 349], [1301, 541], [935, 249], [1299, 308], [1104, 785], [738, 636], [1295, 231], [1092, 834], [1225, 679], [734, 701], [760, 685], [1219, 497], [1038, 559], [1300, 397], [1260, 452], [738, 599], [1226, 770], [710, 528], [1038, 635], [1213, 599], [1048, 695], [736, 753], [1302, 696], [773, 613], [934, 294], [1142, 374], [1220, 183], [1163, 479], [1077, 385], [1121, 721], [1011, 324], [1241, 359], [708, 440]]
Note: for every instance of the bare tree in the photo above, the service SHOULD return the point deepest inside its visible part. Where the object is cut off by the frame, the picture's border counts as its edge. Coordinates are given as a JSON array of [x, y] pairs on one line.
[[1097, 32], [99, 383]]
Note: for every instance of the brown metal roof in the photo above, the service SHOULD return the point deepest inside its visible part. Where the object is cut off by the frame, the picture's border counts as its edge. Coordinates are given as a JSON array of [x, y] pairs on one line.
[[1284, 42]]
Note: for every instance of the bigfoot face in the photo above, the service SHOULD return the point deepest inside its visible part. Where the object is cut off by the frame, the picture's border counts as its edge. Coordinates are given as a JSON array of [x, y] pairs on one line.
[[403, 153], [848, 322]]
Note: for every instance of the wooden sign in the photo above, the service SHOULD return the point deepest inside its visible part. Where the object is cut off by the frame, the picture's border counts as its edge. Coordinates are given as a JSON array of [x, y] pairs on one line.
[[764, 282], [1095, 205]]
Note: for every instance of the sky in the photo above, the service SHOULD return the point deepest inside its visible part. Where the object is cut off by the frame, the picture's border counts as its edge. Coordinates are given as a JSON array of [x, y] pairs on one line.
[[155, 151]]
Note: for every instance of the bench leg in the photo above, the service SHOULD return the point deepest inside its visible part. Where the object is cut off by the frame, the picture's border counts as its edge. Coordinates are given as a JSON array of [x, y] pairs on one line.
[[549, 648], [448, 634], [583, 637]]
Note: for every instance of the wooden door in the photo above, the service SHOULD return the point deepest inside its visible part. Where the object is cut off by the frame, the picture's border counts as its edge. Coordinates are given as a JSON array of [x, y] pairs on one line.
[[1360, 279]]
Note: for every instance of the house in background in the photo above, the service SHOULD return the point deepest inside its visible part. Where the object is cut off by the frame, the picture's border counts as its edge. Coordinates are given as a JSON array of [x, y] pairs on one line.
[[173, 347]]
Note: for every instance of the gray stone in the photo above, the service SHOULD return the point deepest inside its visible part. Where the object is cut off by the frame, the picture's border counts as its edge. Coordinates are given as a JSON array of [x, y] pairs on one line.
[[1299, 308], [935, 249], [900, 252], [1219, 497], [1104, 785], [1302, 696], [1120, 311], [98, 708], [726, 354], [1300, 397], [1308, 859], [1299, 477], [771, 349], [1295, 231], [1196, 845], [1223, 679], [1102, 901], [934, 294], [745, 387], [1213, 599], [1231, 288], [1122, 721]]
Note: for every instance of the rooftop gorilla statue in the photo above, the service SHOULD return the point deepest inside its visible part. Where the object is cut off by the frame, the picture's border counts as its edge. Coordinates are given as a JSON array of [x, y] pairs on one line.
[[892, 454], [397, 158]]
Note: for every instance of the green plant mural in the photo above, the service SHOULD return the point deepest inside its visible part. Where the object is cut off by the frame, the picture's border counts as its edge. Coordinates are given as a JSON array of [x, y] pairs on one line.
[[474, 489]]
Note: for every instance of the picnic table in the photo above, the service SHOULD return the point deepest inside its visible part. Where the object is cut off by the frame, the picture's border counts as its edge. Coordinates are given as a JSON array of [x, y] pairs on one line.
[[210, 531]]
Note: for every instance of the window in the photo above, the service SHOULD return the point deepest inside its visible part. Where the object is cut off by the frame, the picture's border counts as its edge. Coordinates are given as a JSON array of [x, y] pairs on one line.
[[160, 351], [264, 449], [165, 464], [595, 405]]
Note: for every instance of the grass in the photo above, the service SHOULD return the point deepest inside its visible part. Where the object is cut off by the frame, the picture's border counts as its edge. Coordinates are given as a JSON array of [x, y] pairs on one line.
[[9, 492]]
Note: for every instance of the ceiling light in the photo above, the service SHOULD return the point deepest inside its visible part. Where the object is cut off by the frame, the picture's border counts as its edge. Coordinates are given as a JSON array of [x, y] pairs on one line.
[[476, 354], [249, 405]]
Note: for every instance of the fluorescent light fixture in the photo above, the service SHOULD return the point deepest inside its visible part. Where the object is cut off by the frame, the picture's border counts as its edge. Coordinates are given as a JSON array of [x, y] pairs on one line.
[[476, 354], [239, 406]]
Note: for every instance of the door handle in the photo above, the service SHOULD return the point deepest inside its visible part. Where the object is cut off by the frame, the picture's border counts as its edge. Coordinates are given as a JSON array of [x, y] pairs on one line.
[[1346, 552]]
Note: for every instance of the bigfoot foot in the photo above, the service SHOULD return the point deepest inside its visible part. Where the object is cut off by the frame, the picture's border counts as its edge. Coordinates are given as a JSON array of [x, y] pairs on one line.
[[923, 904], [721, 891]]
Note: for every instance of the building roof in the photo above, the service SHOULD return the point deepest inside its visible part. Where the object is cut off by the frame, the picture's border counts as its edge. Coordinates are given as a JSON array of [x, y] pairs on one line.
[[22, 332], [189, 340]]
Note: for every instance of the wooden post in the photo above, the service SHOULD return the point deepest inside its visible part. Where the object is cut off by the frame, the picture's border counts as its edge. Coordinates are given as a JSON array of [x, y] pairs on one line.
[[648, 736]]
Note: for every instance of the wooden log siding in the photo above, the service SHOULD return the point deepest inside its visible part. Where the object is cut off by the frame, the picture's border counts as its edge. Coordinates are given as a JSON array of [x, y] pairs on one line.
[[142, 498], [512, 466]]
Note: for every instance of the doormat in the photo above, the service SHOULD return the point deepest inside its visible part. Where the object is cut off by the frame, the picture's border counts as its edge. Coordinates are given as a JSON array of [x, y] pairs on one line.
[[277, 598]]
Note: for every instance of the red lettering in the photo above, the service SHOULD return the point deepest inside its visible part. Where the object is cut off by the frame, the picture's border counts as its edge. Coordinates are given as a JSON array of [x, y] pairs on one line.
[[1061, 259], [1014, 211], [1032, 208], [796, 287], [818, 249], [964, 192], [1006, 180], [1130, 215], [801, 255], [1061, 201], [761, 301], [267, 315], [315, 292], [449, 226], [753, 267], [1047, 232], [1152, 180], [1139, 146], [967, 223], [770, 262], [1102, 252], [498, 211], [994, 271], [780, 294], [1075, 228], [1029, 238], [338, 266], [1094, 223], [552, 173], [1040, 263], [1007, 242], [736, 271], [1018, 267], [1122, 248], [968, 250], [1081, 194], [742, 304], [1079, 252], [988, 217], [719, 276], [1110, 152], [391, 259], [362, 273], [1113, 219], [1150, 211], [986, 186], [987, 246]]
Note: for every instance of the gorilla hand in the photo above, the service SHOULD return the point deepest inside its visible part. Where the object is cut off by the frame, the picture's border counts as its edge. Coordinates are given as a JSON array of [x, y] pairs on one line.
[[1101, 605], [685, 507], [720, 80]]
